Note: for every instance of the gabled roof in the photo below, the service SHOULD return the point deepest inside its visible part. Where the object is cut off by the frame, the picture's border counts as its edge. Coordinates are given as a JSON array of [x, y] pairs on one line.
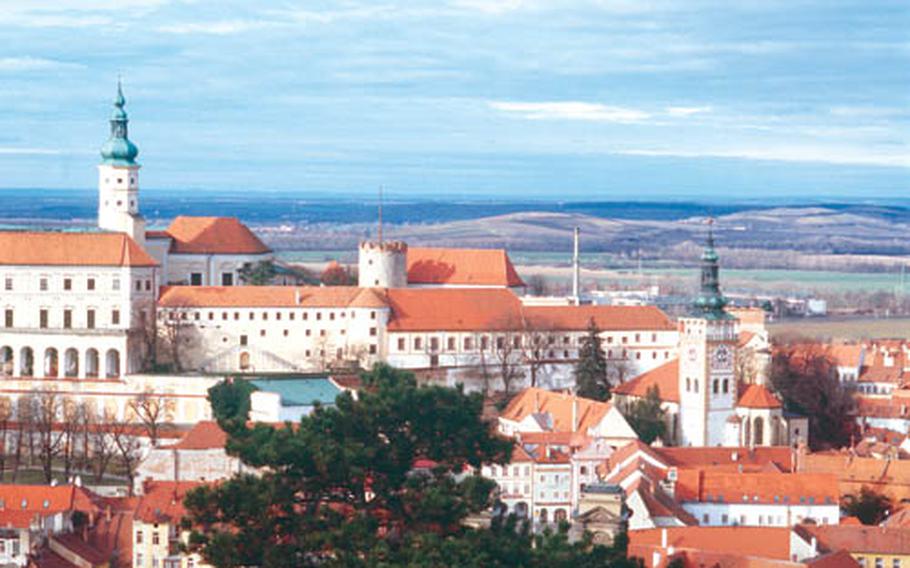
[[613, 318], [758, 396], [461, 266], [205, 435], [766, 542], [266, 297], [727, 457], [665, 378], [860, 538], [765, 488], [32, 248], [587, 413], [44, 499], [211, 235], [163, 501], [454, 309]]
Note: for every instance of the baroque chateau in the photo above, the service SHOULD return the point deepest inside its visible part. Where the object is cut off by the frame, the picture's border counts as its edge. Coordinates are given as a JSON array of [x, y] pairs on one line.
[[105, 316]]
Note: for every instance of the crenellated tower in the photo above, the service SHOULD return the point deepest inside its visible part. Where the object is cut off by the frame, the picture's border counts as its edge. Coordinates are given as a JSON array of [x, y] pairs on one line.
[[707, 350], [118, 178]]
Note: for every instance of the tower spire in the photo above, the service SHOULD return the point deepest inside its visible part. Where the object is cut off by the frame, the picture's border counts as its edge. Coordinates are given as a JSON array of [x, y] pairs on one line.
[[710, 301], [119, 150]]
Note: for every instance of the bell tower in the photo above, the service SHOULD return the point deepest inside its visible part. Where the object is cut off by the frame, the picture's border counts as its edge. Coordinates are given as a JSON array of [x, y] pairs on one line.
[[707, 349], [118, 178]]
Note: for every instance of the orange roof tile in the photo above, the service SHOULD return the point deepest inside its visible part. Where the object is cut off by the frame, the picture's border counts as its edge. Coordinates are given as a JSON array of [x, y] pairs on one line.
[[459, 266], [205, 435], [260, 296], [213, 235], [665, 378], [718, 457], [163, 501], [454, 309], [765, 488], [758, 396], [618, 318], [29, 248], [588, 413], [44, 499], [744, 338], [860, 538], [765, 542]]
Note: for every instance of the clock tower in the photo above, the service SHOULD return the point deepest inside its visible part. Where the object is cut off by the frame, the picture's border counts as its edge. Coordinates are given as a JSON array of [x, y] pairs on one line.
[[707, 350], [118, 179]]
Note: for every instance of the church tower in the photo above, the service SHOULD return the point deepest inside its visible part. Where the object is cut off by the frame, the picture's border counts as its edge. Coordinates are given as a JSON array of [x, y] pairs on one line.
[[118, 179], [707, 350]]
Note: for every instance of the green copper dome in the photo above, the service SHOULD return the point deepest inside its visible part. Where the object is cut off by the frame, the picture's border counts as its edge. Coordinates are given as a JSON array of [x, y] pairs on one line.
[[710, 302], [118, 150]]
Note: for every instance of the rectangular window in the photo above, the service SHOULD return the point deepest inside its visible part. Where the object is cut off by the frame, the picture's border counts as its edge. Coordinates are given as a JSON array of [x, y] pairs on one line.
[[90, 284], [156, 539], [148, 285], [42, 318], [227, 278], [879, 562], [418, 343], [139, 285], [42, 284], [434, 344], [401, 343], [8, 318], [196, 279], [67, 283], [115, 284], [468, 344], [139, 537], [115, 317], [67, 319], [372, 349], [244, 340], [262, 333], [896, 563], [90, 319], [8, 283], [451, 344], [373, 331]]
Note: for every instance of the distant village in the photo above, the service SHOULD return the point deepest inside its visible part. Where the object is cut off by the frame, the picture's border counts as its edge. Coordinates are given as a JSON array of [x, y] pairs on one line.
[[113, 338]]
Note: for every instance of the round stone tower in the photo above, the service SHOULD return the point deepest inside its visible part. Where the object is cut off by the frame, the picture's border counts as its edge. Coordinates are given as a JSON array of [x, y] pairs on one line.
[[383, 264]]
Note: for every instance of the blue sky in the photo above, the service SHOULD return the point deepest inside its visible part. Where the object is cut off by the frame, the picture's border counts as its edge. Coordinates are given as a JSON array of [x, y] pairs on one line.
[[603, 99]]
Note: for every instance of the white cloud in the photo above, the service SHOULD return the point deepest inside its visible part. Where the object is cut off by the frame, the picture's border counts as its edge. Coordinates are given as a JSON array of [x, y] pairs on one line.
[[816, 154], [14, 151], [570, 110], [34, 64], [74, 13], [222, 27], [684, 111]]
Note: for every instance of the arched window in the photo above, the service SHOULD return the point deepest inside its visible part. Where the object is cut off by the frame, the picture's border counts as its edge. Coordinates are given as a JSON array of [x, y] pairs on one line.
[[688, 384], [543, 516], [715, 386], [71, 363], [6, 361], [51, 362], [26, 362], [560, 515], [244, 361], [112, 361], [758, 431], [521, 509], [91, 363], [726, 386], [695, 385]]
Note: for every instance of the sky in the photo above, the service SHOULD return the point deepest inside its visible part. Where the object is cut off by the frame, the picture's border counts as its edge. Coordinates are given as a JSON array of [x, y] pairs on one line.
[[544, 99]]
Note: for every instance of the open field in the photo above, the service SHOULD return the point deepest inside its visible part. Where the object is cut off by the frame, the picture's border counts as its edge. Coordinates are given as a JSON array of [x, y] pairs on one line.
[[846, 329]]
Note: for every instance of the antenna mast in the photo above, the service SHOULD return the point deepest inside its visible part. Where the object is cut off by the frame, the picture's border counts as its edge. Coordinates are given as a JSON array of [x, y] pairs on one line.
[[380, 215]]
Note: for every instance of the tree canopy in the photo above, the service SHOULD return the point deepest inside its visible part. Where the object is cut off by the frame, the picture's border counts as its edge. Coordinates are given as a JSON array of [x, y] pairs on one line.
[[805, 378], [591, 377], [647, 417], [868, 506], [340, 487]]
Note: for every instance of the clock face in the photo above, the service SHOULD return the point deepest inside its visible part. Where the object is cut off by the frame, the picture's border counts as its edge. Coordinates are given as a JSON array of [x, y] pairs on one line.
[[722, 357]]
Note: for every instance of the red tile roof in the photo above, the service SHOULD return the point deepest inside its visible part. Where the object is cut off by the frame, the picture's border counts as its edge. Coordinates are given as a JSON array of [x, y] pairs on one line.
[[765, 488], [861, 538], [264, 297], [458, 266], [665, 378], [758, 396], [213, 235], [707, 457], [587, 413], [618, 318], [28, 248], [454, 309], [205, 435], [163, 501], [765, 542]]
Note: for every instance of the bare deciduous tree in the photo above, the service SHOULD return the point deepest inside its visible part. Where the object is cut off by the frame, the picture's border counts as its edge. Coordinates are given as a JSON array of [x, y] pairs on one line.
[[47, 411], [101, 443], [154, 411], [128, 447]]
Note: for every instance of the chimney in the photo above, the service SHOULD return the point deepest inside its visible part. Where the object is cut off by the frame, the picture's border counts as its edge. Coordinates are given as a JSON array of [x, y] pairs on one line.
[[575, 414], [576, 270]]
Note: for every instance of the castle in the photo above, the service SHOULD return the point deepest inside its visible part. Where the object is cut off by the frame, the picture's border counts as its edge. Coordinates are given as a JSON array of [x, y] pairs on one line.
[[92, 314]]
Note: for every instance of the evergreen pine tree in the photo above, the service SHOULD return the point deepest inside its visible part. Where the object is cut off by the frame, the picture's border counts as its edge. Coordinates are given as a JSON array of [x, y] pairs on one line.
[[591, 379]]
